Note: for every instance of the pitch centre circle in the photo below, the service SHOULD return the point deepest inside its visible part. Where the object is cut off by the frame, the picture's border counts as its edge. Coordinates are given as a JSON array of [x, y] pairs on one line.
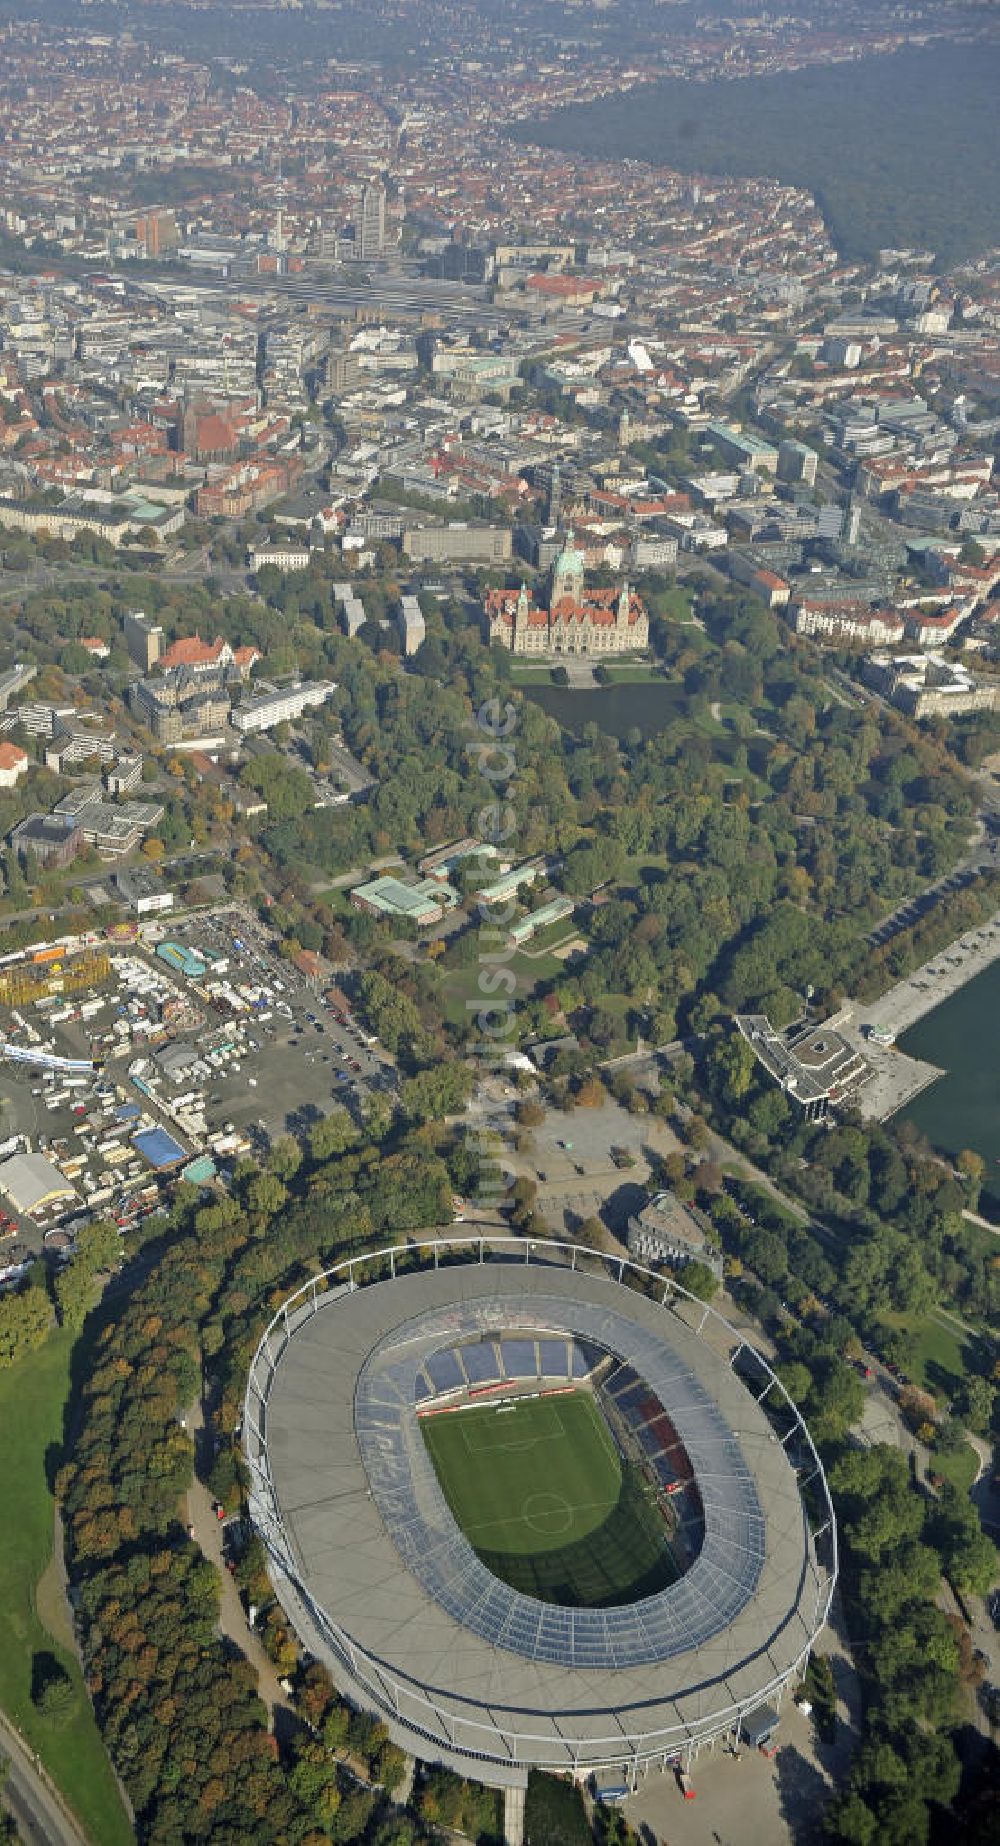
[[548, 1514]]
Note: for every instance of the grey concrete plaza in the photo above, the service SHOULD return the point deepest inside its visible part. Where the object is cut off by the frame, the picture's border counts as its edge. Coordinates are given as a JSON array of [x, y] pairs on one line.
[[896, 1077]]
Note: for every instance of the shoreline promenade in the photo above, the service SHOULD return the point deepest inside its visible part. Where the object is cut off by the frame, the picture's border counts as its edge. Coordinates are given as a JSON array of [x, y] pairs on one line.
[[897, 1078]]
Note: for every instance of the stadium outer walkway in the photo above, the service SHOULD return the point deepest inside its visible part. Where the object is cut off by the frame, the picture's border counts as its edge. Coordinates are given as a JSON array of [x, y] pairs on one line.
[[232, 1619]]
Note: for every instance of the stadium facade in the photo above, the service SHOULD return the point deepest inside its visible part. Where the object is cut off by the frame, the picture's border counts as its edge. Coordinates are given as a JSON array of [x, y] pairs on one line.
[[384, 1588]]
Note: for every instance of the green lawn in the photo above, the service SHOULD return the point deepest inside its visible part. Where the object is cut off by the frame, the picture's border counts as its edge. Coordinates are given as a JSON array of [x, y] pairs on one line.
[[631, 672], [557, 936], [674, 605], [959, 1468], [638, 863], [939, 1358], [33, 1394], [460, 985], [542, 1494]]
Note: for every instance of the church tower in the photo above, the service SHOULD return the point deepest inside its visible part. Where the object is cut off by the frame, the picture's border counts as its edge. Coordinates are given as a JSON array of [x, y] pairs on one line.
[[521, 617]]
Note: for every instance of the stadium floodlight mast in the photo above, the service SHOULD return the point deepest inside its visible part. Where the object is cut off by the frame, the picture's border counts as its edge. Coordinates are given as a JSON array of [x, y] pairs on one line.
[[379, 1582]]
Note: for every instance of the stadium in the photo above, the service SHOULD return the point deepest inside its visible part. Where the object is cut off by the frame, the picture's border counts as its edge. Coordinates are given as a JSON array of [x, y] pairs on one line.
[[535, 1507]]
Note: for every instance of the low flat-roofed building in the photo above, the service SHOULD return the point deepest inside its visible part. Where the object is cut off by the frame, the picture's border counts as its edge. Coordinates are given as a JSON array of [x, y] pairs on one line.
[[142, 891], [422, 902], [443, 860], [664, 1231], [281, 707], [114, 829], [816, 1066], [501, 890], [529, 926]]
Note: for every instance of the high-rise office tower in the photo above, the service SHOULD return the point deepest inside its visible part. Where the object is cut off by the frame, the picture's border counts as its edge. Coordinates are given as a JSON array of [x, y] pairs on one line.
[[555, 495], [372, 226]]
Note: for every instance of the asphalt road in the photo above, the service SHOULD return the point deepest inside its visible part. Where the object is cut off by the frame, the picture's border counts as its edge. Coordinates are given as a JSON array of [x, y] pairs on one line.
[[39, 1812]]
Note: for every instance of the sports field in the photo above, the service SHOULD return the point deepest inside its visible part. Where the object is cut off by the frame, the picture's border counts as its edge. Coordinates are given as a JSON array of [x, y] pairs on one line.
[[546, 1501]]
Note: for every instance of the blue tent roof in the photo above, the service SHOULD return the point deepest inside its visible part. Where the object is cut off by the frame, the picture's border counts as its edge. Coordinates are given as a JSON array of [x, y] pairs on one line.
[[159, 1148]]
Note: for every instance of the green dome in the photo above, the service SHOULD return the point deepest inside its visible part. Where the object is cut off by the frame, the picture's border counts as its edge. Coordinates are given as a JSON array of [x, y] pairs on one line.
[[570, 561]]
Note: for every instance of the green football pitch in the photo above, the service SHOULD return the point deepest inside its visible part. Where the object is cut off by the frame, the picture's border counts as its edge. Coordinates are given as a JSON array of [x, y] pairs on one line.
[[546, 1501]]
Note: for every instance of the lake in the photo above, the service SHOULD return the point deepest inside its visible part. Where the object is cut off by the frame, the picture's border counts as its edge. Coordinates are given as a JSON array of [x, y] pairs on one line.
[[962, 1109], [644, 705]]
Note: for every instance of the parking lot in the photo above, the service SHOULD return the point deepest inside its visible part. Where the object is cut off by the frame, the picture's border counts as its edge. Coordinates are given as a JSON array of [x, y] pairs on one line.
[[192, 1046], [592, 1163], [309, 1055]]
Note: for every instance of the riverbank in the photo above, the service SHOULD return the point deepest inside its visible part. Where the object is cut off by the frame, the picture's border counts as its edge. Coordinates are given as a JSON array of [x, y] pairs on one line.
[[898, 1076]]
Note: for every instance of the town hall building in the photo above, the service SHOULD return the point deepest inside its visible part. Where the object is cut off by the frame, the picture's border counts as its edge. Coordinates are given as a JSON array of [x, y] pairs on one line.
[[578, 620]]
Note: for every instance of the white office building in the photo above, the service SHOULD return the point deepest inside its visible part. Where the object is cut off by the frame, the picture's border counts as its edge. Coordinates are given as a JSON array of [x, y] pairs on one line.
[[412, 627], [271, 708]]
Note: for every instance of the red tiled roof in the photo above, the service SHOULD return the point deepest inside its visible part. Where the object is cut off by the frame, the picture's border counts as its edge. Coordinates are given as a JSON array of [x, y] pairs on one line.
[[563, 285], [942, 618], [214, 435], [600, 606], [192, 651]]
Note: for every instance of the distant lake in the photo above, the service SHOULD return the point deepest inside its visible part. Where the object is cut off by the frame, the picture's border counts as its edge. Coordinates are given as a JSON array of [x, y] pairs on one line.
[[962, 1109], [644, 705]]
